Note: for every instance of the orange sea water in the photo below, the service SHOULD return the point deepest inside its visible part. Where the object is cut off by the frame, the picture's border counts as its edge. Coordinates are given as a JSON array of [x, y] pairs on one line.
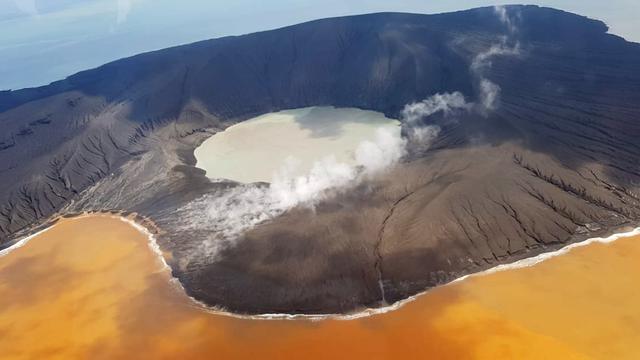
[[92, 288]]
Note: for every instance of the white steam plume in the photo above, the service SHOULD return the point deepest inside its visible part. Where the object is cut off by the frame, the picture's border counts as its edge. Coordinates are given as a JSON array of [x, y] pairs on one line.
[[505, 18], [287, 191], [383, 152], [421, 137], [228, 214], [488, 91], [482, 61], [489, 94], [446, 103]]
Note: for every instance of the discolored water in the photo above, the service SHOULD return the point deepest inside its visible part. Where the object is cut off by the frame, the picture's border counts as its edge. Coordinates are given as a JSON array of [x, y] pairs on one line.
[[92, 288], [256, 149]]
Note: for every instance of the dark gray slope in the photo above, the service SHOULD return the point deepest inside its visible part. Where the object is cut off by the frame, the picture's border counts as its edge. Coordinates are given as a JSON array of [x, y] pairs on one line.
[[554, 163]]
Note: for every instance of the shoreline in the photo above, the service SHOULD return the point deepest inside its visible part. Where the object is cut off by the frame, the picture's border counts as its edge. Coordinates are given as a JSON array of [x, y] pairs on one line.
[[22, 242], [152, 243]]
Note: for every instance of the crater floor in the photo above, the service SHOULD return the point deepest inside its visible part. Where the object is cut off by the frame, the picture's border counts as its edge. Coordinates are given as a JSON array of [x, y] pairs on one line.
[[289, 141]]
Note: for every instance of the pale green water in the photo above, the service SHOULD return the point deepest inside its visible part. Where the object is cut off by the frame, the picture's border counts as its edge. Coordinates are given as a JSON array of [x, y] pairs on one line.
[[256, 149]]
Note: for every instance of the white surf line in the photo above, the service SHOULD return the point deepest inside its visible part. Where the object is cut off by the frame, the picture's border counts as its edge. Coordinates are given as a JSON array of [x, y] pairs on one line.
[[524, 263], [528, 262], [22, 242], [373, 311], [153, 245]]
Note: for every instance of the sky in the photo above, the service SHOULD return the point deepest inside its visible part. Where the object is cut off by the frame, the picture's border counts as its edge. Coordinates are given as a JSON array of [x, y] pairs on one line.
[[46, 40]]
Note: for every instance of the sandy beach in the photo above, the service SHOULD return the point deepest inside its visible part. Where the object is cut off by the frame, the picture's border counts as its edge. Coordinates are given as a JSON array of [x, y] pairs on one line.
[[92, 287], [255, 149]]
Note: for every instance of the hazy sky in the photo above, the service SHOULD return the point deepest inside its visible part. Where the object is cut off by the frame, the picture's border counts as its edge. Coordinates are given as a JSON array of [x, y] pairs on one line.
[[46, 40]]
